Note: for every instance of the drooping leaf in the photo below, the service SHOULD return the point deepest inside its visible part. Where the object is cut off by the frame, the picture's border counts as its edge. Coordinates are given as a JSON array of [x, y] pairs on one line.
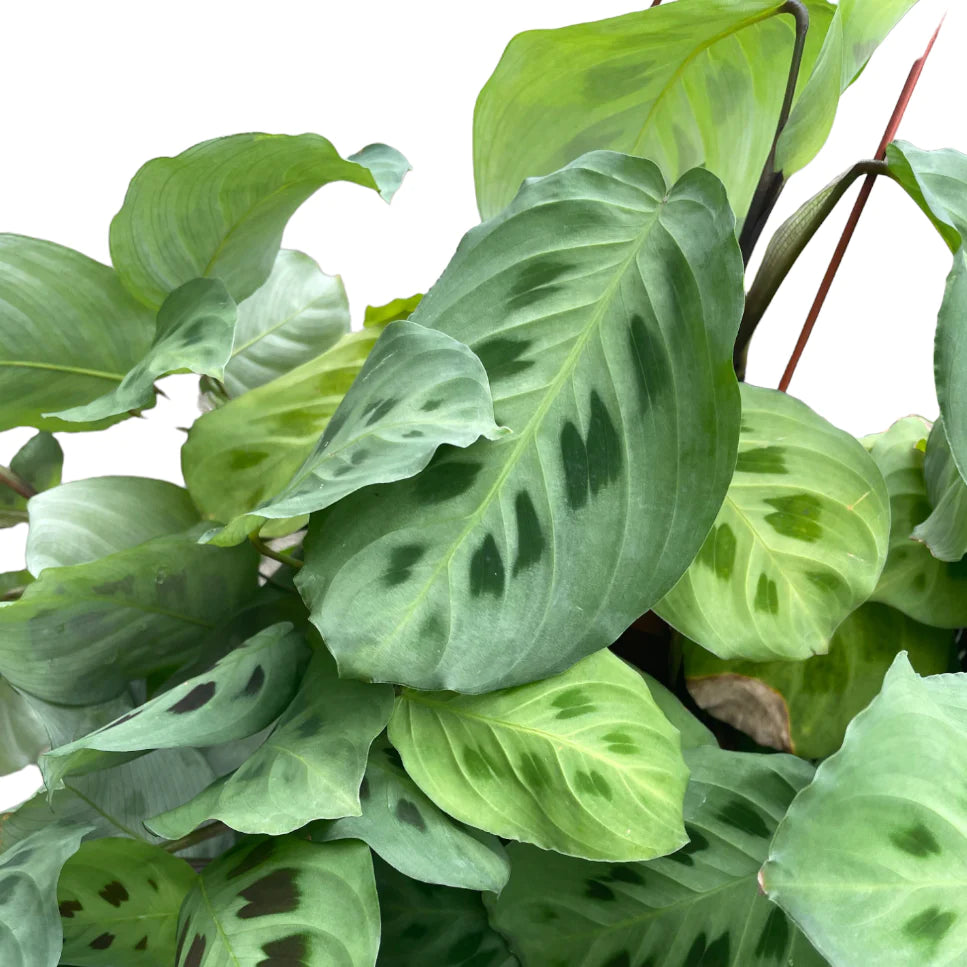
[[218, 209], [694, 83], [84, 520], [78, 634], [298, 313], [604, 307], [68, 331], [38, 464], [239, 696], [699, 906], [410, 833], [30, 934], [584, 763], [804, 707], [869, 859], [417, 391], [427, 924], [944, 531], [310, 767], [194, 331], [22, 735], [119, 901], [692, 731], [798, 544], [283, 901]]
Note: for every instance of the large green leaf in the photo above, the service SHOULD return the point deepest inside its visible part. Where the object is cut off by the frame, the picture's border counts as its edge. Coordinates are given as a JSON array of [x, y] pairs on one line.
[[240, 695], [401, 824], [584, 763], [870, 858], [219, 208], [38, 464], [22, 735], [194, 331], [68, 331], [30, 934], [805, 707], [310, 767], [119, 901], [694, 83], [84, 520], [798, 544], [944, 531], [699, 907], [604, 305], [692, 731], [78, 634], [417, 391], [298, 313], [283, 902]]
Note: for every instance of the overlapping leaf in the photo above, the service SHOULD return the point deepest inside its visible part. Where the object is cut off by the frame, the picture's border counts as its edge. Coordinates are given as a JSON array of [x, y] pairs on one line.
[[944, 531], [604, 306], [584, 763], [692, 731], [283, 901], [37, 464], [870, 858], [798, 544], [22, 735], [699, 906], [219, 208]]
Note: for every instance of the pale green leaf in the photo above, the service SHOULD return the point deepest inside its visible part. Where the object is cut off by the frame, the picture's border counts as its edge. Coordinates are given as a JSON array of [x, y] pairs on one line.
[[584, 763], [396, 309], [798, 544], [38, 464], [692, 731], [22, 735], [944, 531], [604, 306]]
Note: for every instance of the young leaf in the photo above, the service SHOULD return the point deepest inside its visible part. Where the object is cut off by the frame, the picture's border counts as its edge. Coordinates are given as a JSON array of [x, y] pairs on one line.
[[379, 316], [870, 858], [699, 906], [194, 331], [310, 767], [804, 707], [945, 530], [119, 901], [283, 901], [240, 695], [22, 735], [404, 827], [584, 763], [418, 390], [604, 306], [219, 208], [798, 544], [68, 331], [298, 313], [38, 464]]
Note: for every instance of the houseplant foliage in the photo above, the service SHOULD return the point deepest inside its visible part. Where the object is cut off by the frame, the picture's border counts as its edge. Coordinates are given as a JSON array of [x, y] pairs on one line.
[[372, 688]]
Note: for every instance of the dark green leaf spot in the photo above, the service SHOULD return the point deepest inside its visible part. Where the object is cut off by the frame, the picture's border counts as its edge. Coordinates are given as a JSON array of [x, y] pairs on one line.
[[153, 884], [503, 358], [741, 816], [114, 893], [917, 840], [534, 772], [142, 944], [402, 559], [478, 765], [703, 954], [535, 281], [120, 588], [275, 893], [430, 405], [931, 925], [103, 941], [196, 951], [291, 951], [574, 458], [824, 580], [593, 783], [648, 357], [256, 680], [530, 537], [718, 551], [195, 699], [408, 812], [626, 874], [310, 727], [487, 569], [605, 452], [620, 743], [774, 938], [254, 858], [596, 890], [246, 459], [68, 908], [762, 460], [796, 516], [622, 959], [766, 595], [446, 480], [378, 409]]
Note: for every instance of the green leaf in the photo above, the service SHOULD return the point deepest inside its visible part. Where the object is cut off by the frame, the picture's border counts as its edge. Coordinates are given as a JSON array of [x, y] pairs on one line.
[[604, 306], [30, 933], [418, 390], [869, 859], [698, 83], [692, 731], [78, 634], [239, 696], [298, 313], [68, 331], [804, 707], [119, 901], [798, 544], [397, 309], [195, 330], [22, 735], [310, 767], [37, 464], [12, 584], [584, 763], [945, 530], [85, 520], [424, 924], [219, 208], [699, 906], [404, 827], [283, 901]]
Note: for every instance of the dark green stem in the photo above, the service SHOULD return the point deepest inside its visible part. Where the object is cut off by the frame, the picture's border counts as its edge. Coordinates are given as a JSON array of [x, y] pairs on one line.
[[269, 552], [198, 836]]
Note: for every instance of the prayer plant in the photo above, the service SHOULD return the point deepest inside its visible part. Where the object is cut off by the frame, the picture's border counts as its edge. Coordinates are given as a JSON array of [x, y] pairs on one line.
[[510, 628]]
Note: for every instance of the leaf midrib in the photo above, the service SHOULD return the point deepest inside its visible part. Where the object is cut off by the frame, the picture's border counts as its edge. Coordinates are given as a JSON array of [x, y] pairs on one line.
[[61, 368]]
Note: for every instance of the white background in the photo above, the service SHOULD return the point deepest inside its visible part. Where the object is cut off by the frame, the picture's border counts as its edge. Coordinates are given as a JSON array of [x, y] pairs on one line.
[[92, 91]]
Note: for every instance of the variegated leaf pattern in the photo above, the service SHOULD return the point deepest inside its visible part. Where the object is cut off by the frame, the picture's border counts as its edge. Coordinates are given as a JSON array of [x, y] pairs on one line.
[[944, 530], [283, 901], [38, 463], [604, 306], [584, 763], [870, 858], [798, 544], [700, 906]]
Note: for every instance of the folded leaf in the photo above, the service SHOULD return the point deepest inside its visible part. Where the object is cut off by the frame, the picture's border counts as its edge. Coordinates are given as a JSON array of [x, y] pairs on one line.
[[22, 735], [38, 464], [945, 530]]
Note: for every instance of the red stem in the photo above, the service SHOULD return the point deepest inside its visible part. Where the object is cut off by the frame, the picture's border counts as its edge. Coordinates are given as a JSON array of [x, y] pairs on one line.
[[655, 3], [891, 130]]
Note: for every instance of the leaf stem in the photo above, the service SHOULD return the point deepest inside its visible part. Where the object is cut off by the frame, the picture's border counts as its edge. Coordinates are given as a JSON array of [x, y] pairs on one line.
[[16, 483], [891, 129], [198, 836], [13, 594], [275, 555]]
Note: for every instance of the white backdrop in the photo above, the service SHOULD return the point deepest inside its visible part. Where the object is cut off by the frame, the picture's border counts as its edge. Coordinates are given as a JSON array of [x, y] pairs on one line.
[[92, 91]]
